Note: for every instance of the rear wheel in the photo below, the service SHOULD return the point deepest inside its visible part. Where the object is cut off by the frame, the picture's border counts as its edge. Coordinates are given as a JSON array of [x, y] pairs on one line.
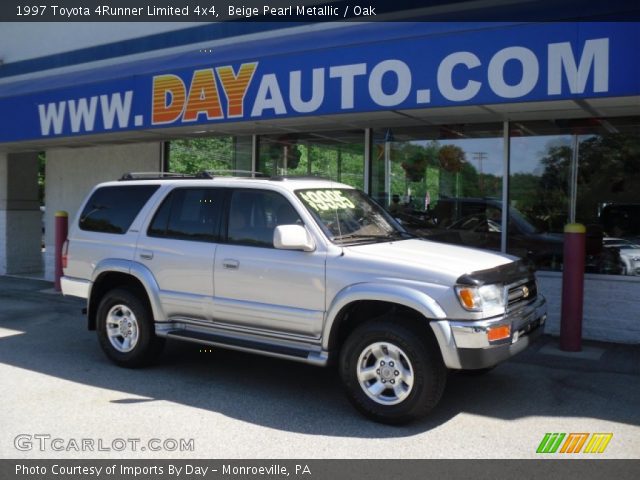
[[126, 330], [392, 373]]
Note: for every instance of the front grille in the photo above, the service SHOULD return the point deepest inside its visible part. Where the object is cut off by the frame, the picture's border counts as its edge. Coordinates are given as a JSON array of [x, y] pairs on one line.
[[522, 292]]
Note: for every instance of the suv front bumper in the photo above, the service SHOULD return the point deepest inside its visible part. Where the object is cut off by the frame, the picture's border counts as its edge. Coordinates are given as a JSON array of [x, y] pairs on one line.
[[466, 345]]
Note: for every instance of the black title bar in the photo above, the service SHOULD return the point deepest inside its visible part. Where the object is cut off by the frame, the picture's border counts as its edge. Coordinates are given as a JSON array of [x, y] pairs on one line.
[[319, 469], [314, 10]]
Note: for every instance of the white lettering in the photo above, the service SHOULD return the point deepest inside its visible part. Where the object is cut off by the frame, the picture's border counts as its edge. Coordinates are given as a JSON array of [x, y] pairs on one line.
[[317, 89], [175, 470], [83, 113], [114, 106], [346, 74], [403, 76], [595, 55], [530, 72], [445, 80], [268, 96], [52, 115]]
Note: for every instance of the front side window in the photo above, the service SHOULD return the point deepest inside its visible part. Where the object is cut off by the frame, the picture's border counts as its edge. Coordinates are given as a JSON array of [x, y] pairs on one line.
[[348, 216], [254, 215], [113, 209], [189, 214]]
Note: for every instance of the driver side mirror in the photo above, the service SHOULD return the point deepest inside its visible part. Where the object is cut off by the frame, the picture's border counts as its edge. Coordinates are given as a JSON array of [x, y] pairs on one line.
[[293, 237]]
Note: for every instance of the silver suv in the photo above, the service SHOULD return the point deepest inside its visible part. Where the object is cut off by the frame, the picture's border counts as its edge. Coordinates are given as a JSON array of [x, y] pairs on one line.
[[298, 268]]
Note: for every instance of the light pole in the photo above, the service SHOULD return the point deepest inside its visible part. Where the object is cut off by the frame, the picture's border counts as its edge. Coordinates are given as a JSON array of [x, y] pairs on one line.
[[480, 156]]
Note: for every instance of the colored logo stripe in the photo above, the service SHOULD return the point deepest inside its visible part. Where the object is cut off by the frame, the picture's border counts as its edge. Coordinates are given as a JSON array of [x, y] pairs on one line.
[[574, 442], [550, 443], [598, 442]]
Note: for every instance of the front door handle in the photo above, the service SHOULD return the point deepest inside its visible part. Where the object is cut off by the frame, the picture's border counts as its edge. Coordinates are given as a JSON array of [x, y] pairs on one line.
[[146, 255], [230, 264]]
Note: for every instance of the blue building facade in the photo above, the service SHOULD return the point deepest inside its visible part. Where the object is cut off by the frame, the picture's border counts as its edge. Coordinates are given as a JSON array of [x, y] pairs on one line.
[[489, 134]]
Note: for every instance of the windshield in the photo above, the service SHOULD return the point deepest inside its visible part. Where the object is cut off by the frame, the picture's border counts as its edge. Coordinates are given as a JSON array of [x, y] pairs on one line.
[[620, 243], [489, 219], [348, 216], [525, 226]]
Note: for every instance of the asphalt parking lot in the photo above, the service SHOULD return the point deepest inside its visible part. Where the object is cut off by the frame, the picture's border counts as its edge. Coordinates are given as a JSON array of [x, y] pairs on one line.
[[57, 385]]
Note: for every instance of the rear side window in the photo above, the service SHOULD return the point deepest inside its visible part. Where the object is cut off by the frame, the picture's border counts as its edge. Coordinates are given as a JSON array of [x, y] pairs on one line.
[[113, 209], [189, 214]]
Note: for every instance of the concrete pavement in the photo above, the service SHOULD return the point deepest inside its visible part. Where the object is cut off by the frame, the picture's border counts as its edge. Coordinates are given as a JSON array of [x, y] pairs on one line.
[[56, 382]]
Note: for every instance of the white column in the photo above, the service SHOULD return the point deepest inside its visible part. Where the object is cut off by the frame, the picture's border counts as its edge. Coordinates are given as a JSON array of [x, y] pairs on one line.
[[72, 172]]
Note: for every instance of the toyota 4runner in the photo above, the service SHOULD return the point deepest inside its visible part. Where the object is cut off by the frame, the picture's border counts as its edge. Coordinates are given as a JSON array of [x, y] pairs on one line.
[[299, 268]]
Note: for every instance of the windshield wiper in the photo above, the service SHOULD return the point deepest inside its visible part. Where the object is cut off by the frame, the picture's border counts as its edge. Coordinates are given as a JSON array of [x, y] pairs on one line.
[[396, 234], [359, 236], [353, 236]]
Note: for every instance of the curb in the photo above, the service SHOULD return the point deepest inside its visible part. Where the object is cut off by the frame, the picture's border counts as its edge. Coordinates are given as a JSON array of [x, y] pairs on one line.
[[594, 356]]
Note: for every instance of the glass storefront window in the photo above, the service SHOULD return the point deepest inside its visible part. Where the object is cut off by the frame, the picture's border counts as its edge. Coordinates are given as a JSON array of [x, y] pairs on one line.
[[335, 155], [608, 195], [539, 192], [444, 183], [582, 170], [219, 154]]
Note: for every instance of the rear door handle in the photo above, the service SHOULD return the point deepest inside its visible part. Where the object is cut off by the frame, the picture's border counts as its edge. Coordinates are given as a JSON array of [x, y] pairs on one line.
[[230, 264], [146, 255]]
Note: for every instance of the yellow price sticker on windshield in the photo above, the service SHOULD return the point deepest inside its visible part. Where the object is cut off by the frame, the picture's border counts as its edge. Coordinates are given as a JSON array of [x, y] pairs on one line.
[[323, 200]]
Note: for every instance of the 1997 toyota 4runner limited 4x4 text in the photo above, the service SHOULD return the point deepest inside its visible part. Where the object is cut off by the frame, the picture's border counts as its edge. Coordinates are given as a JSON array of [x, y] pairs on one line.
[[302, 269]]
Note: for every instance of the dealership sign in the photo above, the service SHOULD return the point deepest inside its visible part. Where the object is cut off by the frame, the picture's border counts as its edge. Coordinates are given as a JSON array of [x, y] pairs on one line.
[[503, 64]]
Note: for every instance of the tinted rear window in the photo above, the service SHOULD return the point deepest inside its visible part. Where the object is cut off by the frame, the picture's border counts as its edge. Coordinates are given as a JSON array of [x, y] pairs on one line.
[[113, 209]]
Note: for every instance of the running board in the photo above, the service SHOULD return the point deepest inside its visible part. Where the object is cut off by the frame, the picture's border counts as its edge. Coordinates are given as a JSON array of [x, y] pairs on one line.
[[295, 353]]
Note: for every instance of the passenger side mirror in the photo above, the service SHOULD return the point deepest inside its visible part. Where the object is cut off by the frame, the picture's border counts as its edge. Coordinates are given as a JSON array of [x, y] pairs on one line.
[[293, 237]]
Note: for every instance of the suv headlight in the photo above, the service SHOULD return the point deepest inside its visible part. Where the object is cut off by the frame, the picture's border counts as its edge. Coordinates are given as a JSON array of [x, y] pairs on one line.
[[482, 299]]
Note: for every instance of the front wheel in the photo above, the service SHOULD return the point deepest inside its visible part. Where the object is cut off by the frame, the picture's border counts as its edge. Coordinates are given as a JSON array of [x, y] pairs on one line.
[[392, 373], [126, 330]]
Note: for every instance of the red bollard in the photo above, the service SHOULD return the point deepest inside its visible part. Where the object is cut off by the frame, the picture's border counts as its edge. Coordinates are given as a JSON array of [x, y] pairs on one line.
[[572, 287], [60, 231]]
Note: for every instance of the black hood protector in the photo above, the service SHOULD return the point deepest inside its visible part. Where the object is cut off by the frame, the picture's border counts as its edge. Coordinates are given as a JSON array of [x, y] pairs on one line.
[[507, 273]]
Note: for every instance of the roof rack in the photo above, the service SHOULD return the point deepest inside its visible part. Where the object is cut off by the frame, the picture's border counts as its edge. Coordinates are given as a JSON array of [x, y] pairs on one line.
[[210, 174], [237, 173], [161, 175], [281, 178], [203, 175]]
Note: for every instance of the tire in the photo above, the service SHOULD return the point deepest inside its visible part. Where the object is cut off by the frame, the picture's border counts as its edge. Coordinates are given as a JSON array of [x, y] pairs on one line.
[[126, 330], [375, 385]]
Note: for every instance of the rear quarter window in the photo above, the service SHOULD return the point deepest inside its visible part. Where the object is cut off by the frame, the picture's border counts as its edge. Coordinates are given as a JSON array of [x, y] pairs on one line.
[[113, 209]]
